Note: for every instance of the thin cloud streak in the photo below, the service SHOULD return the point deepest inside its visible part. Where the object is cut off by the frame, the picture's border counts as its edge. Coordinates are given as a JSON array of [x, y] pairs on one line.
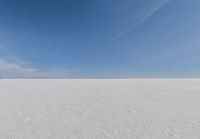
[[160, 4], [10, 69]]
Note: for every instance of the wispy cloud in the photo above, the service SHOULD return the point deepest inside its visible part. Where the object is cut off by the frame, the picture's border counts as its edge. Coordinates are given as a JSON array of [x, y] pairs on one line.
[[157, 6], [13, 69]]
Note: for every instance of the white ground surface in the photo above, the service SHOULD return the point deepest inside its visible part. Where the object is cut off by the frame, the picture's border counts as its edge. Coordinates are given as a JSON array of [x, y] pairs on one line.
[[100, 109]]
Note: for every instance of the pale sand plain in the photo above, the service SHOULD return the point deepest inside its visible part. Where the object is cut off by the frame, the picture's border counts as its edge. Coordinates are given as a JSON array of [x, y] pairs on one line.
[[100, 109]]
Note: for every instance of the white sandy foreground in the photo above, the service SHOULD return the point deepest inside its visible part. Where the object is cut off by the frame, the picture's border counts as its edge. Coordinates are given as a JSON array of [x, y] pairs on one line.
[[100, 109]]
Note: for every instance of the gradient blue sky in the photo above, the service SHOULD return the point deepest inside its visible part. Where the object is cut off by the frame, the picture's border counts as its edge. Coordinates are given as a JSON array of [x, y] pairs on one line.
[[99, 38]]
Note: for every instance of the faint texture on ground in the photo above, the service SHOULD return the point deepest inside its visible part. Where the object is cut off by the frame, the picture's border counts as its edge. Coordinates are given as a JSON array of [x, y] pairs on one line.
[[100, 109]]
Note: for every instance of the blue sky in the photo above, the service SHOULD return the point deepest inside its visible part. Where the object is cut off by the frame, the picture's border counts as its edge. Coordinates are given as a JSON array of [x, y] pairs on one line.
[[99, 38]]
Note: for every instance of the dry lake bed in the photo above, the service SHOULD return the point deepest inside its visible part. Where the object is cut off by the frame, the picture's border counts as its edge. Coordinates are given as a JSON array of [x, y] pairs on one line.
[[100, 109]]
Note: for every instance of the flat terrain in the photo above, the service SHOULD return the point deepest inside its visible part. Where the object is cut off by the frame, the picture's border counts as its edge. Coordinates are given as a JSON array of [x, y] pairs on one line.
[[100, 109]]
